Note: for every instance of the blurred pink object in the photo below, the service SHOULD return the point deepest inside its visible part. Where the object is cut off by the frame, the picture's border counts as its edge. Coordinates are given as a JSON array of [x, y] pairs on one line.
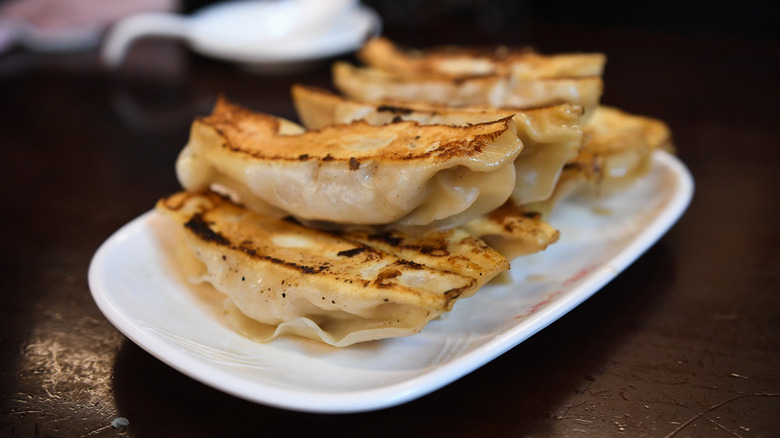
[[66, 25]]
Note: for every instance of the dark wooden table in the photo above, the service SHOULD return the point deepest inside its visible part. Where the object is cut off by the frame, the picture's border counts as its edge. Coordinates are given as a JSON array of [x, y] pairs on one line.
[[685, 342]]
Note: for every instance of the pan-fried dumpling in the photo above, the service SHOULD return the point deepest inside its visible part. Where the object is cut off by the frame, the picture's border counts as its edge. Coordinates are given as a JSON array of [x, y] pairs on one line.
[[366, 83], [400, 174], [337, 287], [513, 231], [457, 62], [551, 135], [616, 150]]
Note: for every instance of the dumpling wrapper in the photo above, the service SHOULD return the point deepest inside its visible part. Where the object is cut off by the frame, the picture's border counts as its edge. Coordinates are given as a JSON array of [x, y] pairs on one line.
[[338, 287], [458, 62], [513, 231], [617, 149], [551, 136], [371, 84], [400, 174]]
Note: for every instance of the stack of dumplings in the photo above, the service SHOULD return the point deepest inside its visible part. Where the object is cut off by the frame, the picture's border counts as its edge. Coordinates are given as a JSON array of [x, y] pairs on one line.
[[410, 189]]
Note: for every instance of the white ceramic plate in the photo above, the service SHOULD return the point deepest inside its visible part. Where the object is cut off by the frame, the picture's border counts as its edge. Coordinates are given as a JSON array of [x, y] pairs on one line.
[[140, 291], [241, 32]]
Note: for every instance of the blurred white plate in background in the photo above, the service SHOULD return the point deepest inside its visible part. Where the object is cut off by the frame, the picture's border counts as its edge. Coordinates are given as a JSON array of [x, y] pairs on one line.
[[261, 35]]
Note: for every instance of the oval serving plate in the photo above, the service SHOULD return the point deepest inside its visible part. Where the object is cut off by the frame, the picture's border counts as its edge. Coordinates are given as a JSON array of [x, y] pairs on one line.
[[138, 288]]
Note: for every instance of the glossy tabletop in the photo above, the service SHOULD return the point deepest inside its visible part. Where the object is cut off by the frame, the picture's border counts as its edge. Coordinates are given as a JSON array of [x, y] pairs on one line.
[[685, 342]]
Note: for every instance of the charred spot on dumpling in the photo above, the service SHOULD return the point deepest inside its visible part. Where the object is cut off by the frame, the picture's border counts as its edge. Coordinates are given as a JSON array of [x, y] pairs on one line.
[[393, 109], [381, 279], [454, 293], [438, 250], [410, 264], [203, 230], [386, 238], [352, 252], [291, 219], [354, 164], [304, 269]]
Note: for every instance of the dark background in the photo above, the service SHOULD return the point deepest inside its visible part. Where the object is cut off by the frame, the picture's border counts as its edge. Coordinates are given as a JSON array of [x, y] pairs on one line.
[[685, 342], [697, 17]]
